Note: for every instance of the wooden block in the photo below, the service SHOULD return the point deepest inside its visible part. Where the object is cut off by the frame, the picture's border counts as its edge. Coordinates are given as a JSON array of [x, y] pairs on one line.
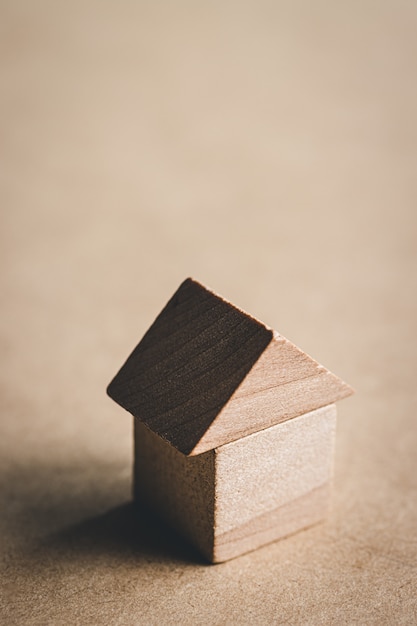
[[282, 384], [189, 363], [234, 425], [242, 495], [273, 482], [178, 488]]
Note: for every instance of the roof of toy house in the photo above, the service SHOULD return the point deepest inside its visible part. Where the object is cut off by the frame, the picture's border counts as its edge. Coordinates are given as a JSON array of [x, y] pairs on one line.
[[206, 374]]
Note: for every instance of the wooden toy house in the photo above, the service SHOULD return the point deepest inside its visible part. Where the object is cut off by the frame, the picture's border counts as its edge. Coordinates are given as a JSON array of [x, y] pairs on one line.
[[234, 425]]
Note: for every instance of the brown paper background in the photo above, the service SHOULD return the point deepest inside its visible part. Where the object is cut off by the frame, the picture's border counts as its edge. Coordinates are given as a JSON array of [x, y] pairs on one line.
[[268, 149]]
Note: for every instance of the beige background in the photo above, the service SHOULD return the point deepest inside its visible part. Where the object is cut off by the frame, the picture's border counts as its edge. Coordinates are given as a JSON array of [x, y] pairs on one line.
[[269, 149]]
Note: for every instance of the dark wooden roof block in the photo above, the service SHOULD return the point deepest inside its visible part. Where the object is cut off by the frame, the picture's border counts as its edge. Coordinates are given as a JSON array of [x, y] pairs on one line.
[[188, 364]]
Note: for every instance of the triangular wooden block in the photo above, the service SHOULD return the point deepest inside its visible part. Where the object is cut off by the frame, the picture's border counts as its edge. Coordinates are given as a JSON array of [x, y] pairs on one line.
[[283, 383], [206, 374]]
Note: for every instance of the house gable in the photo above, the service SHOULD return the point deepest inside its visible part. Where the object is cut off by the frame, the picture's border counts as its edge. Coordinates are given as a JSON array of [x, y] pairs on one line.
[[283, 383], [206, 374]]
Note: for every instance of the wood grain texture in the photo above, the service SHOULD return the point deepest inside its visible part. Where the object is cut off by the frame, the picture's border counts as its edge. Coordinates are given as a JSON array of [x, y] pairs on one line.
[[180, 489], [285, 520], [283, 383], [207, 373], [188, 364], [244, 494], [273, 483]]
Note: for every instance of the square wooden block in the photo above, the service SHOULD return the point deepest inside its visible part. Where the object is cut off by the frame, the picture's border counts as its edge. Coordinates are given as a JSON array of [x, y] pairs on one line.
[[242, 495]]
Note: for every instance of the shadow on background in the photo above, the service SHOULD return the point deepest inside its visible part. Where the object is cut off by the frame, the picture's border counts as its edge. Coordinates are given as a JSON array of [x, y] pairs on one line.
[[127, 532], [52, 518]]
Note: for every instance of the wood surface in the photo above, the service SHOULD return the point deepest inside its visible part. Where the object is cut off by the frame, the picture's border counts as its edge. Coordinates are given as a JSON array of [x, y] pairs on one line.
[[273, 483], [244, 494], [180, 489], [188, 364], [206, 373], [283, 383]]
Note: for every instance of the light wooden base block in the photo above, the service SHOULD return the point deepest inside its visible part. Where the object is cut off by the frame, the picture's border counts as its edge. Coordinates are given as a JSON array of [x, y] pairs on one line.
[[287, 519], [247, 493]]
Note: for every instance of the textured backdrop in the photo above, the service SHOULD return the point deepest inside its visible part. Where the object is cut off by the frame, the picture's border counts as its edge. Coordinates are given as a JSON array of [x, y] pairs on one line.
[[269, 149]]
